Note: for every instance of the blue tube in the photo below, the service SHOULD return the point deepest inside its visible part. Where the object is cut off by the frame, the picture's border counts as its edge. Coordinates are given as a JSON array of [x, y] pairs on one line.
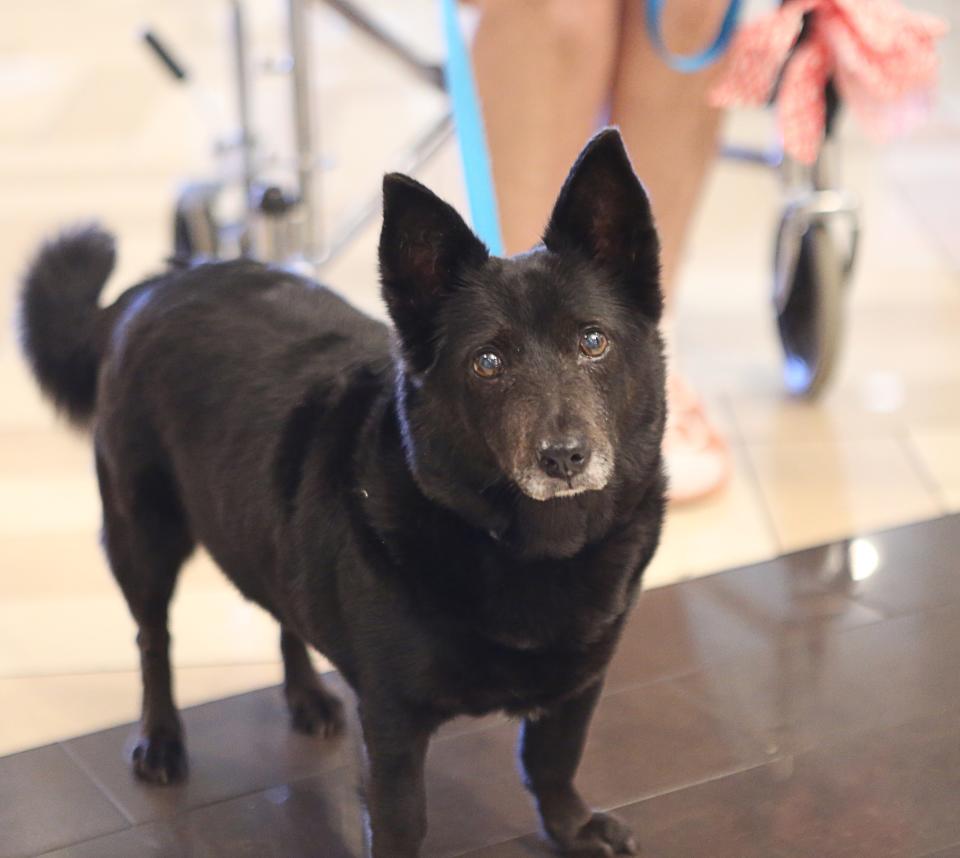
[[690, 63], [468, 120]]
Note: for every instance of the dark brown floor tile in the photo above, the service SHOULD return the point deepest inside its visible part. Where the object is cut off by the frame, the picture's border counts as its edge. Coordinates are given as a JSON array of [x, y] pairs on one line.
[[949, 852], [474, 792], [917, 566], [315, 818], [463, 725], [809, 587], [643, 741], [527, 846], [888, 794], [820, 686], [46, 801], [235, 746], [679, 629], [651, 739], [657, 641]]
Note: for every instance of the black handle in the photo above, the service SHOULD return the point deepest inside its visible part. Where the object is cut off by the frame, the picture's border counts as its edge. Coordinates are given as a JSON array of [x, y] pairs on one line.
[[163, 54]]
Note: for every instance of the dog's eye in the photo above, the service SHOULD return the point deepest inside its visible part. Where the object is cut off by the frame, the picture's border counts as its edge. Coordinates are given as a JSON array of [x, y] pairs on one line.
[[594, 343], [488, 364]]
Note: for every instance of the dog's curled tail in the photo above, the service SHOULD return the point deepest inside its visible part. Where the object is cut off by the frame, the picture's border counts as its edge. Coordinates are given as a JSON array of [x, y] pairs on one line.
[[60, 317]]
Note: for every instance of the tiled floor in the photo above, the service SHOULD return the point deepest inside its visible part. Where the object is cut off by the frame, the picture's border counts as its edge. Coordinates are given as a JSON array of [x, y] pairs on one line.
[[90, 126], [805, 706]]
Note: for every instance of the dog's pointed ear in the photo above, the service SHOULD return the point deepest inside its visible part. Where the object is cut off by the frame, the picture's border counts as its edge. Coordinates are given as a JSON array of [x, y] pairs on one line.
[[604, 212], [425, 251]]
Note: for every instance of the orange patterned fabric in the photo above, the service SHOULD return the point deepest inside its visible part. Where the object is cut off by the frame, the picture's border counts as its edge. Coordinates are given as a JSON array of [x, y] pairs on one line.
[[881, 56]]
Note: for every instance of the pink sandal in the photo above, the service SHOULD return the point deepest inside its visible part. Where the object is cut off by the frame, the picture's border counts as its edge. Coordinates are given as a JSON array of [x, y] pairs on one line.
[[697, 456]]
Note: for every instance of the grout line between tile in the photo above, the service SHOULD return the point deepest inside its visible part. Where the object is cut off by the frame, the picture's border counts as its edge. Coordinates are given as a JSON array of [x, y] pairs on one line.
[[726, 403], [888, 613], [136, 670], [940, 850], [628, 803], [739, 770], [704, 707], [930, 235], [753, 479], [104, 790], [134, 823], [930, 482], [346, 767], [648, 683], [74, 843]]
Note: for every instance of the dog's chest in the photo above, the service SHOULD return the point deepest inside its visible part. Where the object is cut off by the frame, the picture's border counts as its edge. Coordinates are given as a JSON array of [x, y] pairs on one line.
[[498, 629], [485, 676], [529, 647]]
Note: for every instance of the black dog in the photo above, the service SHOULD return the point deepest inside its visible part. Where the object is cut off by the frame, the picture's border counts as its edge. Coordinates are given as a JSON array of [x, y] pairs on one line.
[[459, 523]]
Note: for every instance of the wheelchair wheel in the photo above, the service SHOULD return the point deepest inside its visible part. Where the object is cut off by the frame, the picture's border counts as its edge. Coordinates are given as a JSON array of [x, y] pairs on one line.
[[810, 314], [196, 235]]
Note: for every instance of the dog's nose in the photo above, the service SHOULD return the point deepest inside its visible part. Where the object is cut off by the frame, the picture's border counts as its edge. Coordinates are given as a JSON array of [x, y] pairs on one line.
[[564, 458]]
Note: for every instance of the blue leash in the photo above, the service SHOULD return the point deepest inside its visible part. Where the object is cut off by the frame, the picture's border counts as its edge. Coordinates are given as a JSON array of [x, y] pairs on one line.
[[468, 117], [468, 120], [689, 63]]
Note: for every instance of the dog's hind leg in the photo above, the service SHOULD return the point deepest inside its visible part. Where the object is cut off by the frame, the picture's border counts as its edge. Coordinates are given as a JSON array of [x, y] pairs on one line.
[[313, 709], [146, 538]]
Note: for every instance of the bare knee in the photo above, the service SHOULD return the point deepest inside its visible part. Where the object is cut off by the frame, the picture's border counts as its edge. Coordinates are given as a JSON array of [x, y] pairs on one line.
[[578, 29], [690, 25]]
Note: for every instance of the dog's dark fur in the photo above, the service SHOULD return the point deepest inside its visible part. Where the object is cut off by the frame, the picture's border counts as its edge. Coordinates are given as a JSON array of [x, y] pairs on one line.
[[386, 504]]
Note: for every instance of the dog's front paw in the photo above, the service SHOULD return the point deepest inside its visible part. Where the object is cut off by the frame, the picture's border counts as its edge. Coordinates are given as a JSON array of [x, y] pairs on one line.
[[602, 836], [159, 757], [315, 712]]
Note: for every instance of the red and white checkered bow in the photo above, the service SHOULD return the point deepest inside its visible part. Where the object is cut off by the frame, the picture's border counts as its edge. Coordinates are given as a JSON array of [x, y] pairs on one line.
[[881, 57]]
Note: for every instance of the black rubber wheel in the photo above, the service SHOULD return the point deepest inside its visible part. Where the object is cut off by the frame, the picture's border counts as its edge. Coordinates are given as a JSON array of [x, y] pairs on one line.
[[183, 251], [195, 232], [810, 322]]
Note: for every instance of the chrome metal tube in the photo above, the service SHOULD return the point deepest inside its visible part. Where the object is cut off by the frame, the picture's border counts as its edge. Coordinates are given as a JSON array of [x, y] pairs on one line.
[[409, 161], [306, 155], [241, 69], [428, 71]]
